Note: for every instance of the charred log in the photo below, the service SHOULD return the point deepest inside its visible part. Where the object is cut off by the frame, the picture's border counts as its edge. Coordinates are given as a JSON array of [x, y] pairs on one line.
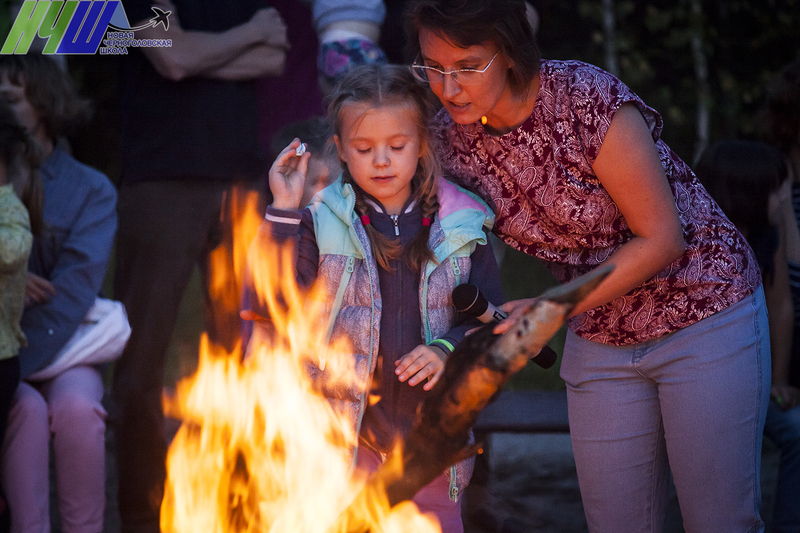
[[473, 377]]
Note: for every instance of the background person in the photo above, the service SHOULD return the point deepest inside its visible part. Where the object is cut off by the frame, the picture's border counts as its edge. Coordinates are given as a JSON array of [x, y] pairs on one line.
[[667, 361], [189, 142], [65, 273], [783, 416], [20, 201]]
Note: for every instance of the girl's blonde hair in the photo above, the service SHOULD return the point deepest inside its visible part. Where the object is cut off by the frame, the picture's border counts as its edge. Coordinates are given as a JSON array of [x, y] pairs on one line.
[[388, 85]]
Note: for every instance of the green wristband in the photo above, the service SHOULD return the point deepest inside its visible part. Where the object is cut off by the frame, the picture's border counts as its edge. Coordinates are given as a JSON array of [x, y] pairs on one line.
[[450, 348]]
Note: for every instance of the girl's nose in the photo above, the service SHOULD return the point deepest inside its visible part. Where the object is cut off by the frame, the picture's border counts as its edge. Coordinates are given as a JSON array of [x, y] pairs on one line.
[[381, 158]]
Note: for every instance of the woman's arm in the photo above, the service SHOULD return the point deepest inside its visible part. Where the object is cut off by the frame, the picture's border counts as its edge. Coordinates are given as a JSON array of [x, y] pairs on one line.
[[77, 277], [630, 170]]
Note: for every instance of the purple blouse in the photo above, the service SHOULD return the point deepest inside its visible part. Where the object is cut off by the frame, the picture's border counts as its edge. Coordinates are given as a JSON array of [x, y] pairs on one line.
[[549, 204]]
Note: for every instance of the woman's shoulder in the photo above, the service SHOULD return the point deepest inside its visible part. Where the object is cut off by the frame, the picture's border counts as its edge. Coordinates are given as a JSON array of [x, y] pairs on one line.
[[588, 91], [571, 77], [569, 68], [61, 164]]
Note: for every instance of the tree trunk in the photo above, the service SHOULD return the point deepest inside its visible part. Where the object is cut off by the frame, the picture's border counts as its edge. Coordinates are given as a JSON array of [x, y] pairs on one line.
[[610, 32], [701, 74]]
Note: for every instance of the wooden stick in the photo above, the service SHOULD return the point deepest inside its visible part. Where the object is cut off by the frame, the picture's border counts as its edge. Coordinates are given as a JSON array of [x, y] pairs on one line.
[[474, 375]]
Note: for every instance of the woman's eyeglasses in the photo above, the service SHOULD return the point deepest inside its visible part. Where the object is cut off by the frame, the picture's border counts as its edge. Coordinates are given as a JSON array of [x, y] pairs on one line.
[[464, 76]]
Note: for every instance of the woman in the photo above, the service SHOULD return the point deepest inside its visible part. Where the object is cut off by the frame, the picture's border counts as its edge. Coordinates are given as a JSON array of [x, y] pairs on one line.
[[66, 268], [667, 362]]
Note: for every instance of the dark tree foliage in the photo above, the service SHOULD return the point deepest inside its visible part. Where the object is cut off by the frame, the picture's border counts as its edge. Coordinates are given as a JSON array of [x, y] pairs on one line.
[[746, 41]]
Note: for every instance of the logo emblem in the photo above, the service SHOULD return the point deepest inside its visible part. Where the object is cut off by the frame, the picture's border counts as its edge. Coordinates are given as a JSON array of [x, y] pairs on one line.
[[77, 27]]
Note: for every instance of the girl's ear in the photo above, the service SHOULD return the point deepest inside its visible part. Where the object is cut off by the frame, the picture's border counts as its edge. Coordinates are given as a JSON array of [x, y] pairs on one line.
[[339, 149]]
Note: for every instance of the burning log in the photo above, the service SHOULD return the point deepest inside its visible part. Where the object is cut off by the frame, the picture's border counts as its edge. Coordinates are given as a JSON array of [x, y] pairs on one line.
[[473, 377]]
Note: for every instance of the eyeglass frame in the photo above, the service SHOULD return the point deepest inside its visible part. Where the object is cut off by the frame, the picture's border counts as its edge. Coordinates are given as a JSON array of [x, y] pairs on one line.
[[452, 73]]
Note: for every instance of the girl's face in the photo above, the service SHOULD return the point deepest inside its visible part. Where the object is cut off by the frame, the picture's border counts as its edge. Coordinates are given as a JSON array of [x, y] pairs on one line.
[[465, 103], [381, 147]]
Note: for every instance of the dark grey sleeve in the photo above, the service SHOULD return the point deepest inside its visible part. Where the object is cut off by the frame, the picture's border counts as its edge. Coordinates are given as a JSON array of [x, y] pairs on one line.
[[485, 274]]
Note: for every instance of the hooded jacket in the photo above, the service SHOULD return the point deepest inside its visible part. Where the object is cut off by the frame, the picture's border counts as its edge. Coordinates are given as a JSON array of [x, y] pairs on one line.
[[351, 282]]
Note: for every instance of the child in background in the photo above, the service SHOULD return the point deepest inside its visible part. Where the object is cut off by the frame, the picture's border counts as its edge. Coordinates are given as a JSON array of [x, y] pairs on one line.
[[749, 181], [406, 234], [20, 211]]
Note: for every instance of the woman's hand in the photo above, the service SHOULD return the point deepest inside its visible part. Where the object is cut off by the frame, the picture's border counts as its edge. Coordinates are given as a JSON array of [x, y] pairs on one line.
[[287, 177], [514, 309], [38, 290], [420, 363]]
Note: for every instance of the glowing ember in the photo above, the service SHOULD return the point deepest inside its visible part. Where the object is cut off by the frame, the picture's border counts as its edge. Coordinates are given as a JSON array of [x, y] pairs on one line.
[[259, 450]]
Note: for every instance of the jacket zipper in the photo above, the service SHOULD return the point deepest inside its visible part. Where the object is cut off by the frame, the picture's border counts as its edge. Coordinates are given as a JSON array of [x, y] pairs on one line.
[[396, 227]]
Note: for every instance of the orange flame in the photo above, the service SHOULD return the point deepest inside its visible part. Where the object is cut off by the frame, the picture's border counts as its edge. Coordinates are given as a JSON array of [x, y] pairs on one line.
[[259, 450]]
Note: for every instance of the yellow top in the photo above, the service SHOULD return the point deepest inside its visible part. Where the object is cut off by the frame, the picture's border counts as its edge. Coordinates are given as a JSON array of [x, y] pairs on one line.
[[15, 247]]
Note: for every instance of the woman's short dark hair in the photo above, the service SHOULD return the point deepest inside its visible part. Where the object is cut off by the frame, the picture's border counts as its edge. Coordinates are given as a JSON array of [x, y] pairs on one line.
[[473, 22], [49, 89]]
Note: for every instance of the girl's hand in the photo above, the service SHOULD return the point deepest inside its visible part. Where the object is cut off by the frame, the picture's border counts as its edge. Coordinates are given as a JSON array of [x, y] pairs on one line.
[[38, 290], [287, 177], [514, 309], [420, 363]]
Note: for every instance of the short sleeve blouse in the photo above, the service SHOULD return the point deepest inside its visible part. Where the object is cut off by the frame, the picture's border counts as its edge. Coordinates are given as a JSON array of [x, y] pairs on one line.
[[549, 204]]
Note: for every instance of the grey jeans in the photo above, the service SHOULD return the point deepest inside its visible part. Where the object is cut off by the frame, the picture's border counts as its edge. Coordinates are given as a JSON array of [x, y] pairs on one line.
[[693, 402]]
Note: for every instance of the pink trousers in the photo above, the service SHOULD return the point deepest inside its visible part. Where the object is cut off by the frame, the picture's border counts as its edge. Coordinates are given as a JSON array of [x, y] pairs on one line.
[[67, 408], [433, 498]]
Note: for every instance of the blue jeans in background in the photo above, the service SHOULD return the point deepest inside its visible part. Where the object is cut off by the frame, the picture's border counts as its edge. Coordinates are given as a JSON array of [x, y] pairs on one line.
[[783, 428]]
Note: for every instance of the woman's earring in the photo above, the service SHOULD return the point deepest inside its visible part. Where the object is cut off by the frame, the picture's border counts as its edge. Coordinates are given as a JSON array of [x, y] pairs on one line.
[[484, 120]]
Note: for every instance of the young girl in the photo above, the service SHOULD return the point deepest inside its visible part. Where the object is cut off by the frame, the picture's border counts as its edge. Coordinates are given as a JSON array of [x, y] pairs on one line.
[[398, 239], [20, 209]]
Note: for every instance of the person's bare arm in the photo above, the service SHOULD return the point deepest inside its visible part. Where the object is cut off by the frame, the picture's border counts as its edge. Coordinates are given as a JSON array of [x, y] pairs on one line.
[[253, 49], [629, 168], [257, 61]]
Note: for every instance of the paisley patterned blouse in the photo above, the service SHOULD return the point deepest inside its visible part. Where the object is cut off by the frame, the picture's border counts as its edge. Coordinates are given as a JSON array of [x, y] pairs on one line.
[[549, 203]]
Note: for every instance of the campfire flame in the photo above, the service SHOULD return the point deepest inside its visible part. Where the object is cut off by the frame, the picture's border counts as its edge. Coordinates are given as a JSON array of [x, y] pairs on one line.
[[259, 448]]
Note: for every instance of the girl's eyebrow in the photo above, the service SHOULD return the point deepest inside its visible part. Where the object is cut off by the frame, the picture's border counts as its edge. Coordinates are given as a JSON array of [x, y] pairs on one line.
[[391, 137]]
